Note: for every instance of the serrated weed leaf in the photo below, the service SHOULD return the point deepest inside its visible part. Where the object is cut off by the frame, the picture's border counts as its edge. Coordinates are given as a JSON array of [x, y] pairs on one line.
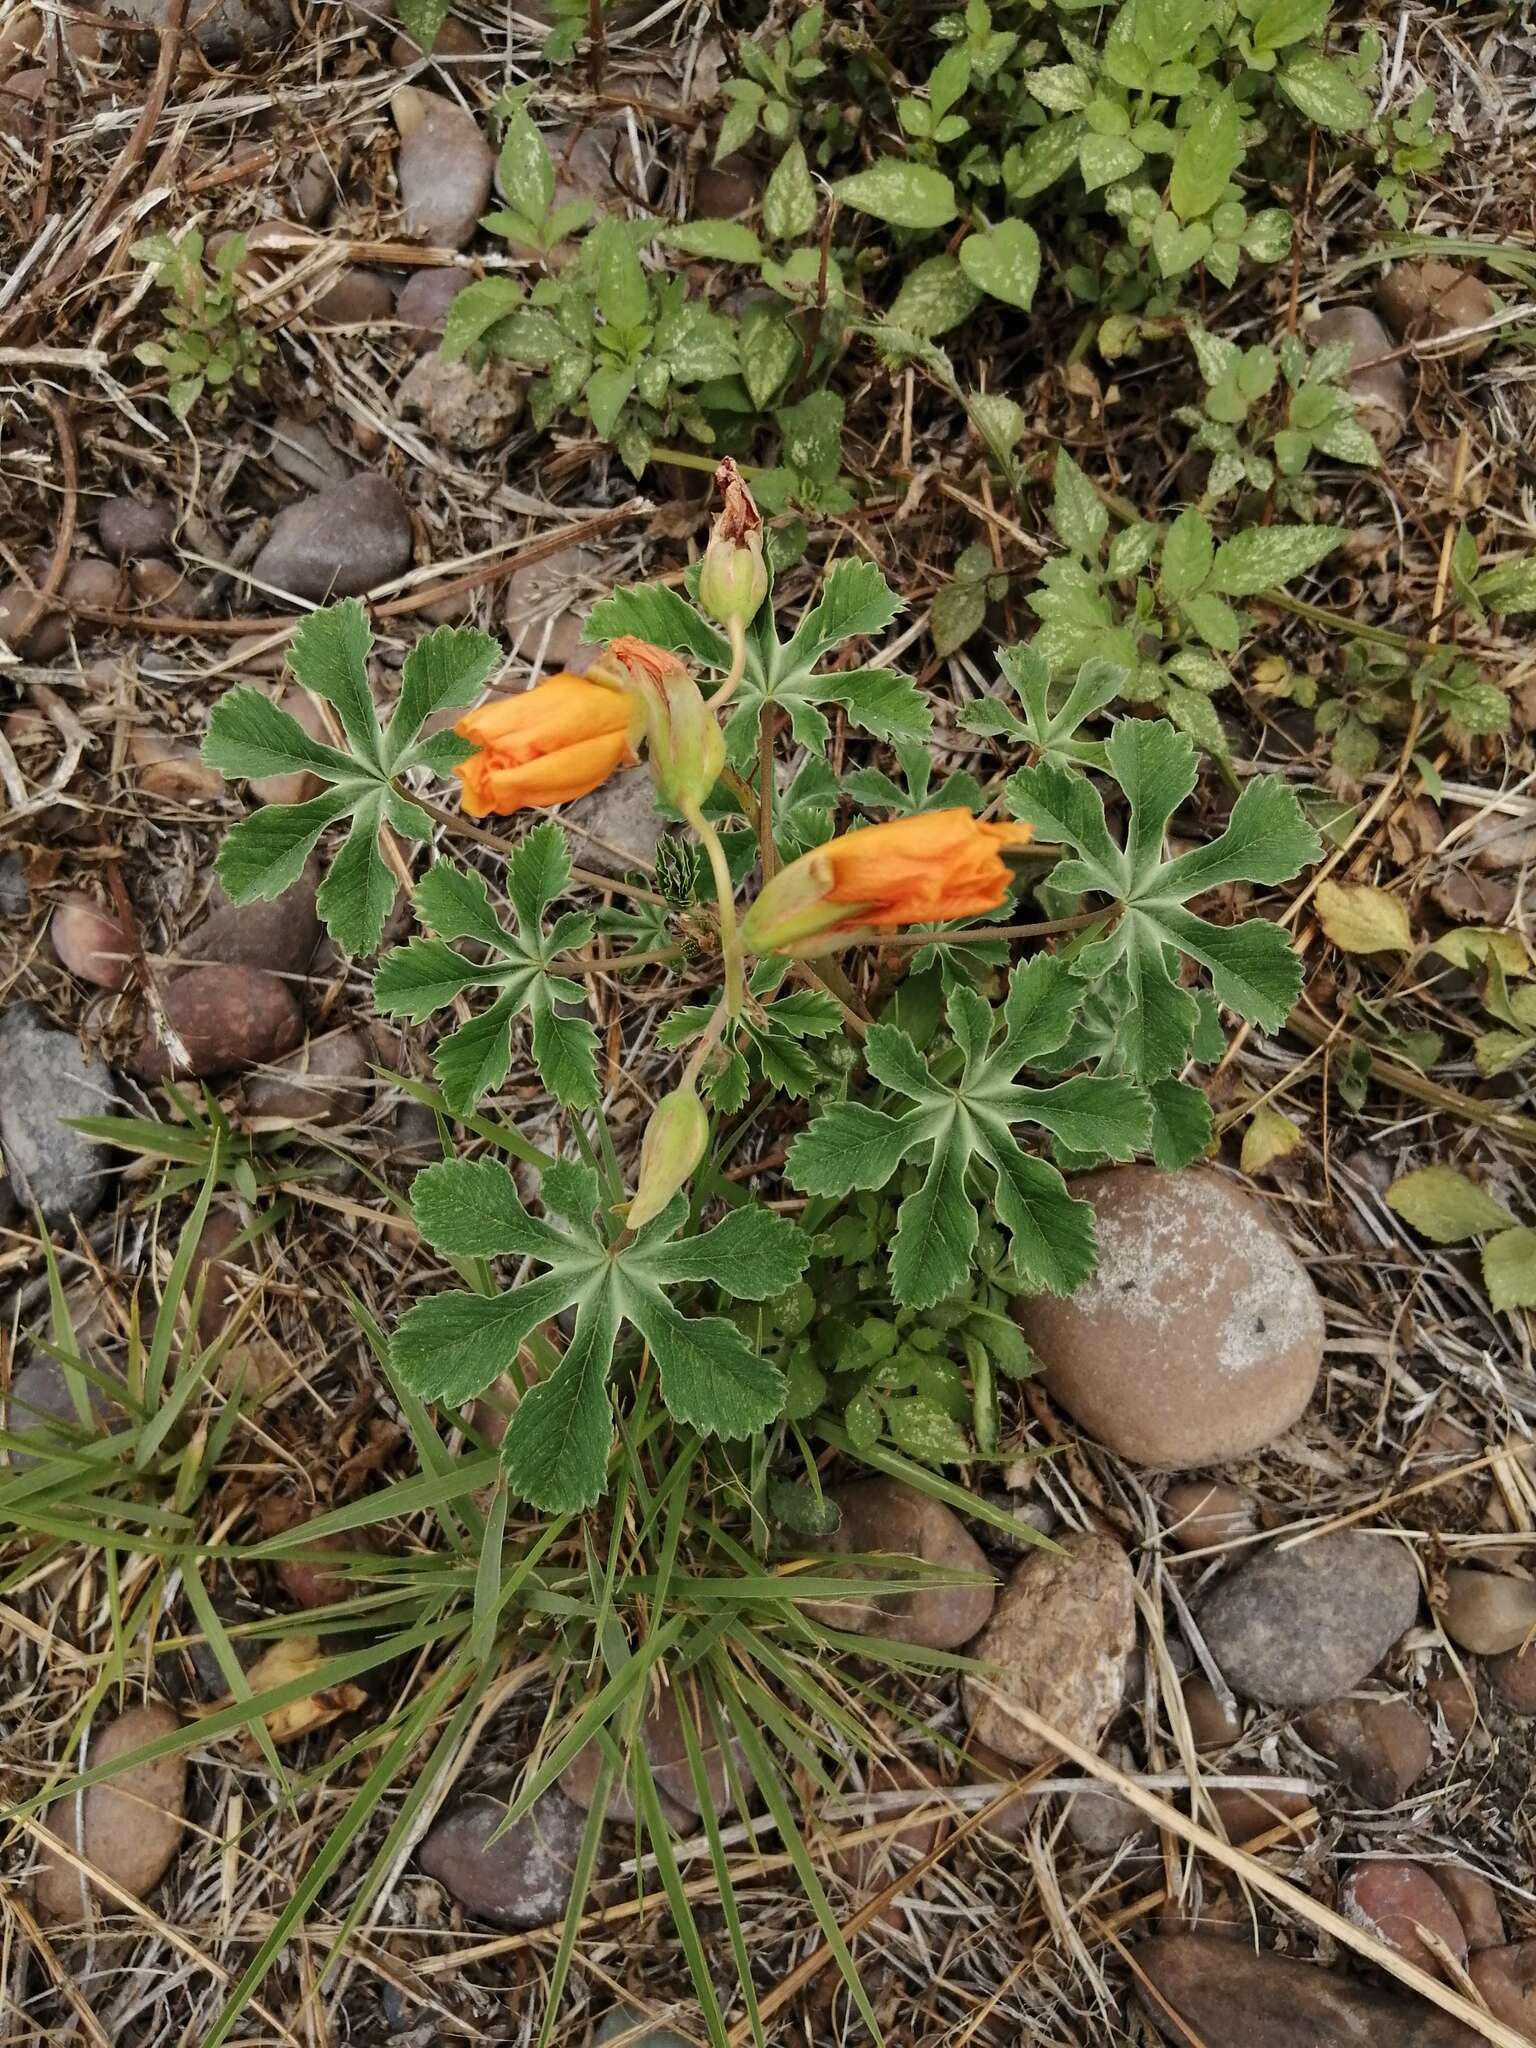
[[959, 1129], [452, 1346], [250, 737], [426, 975], [1131, 969]]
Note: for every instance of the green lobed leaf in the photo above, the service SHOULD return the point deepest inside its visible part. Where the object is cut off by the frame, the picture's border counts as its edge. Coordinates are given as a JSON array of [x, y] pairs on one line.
[[329, 655], [650, 611], [248, 735], [444, 671]]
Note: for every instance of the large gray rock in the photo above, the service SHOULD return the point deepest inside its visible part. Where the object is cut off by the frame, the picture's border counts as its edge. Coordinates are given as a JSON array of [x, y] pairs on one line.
[[1296, 1627], [44, 1078], [1222, 1995], [339, 543]]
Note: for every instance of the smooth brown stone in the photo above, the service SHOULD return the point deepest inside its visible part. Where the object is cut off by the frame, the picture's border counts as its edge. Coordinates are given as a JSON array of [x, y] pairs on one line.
[[1200, 1335], [1513, 1677], [339, 543], [1245, 1814], [132, 1825], [129, 528], [1377, 380], [1487, 1612], [225, 1017], [666, 1749], [444, 167], [1506, 1982], [1212, 1722], [1382, 1747], [521, 1880], [357, 297], [1435, 301], [1392, 1900], [1222, 1995], [424, 301], [1474, 1902], [1456, 1704], [225, 1274], [889, 1518], [323, 1082], [89, 943], [279, 933]]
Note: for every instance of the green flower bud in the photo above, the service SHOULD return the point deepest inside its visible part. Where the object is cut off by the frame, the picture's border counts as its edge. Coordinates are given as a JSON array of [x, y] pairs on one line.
[[672, 1147], [734, 578]]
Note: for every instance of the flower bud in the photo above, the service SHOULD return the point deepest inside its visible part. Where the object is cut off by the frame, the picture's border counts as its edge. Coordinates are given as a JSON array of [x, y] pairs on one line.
[[672, 1147], [684, 746], [734, 578]]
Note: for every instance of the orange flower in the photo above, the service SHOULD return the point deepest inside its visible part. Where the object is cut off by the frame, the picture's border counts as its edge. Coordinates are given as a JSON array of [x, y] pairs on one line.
[[921, 870], [551, 743]]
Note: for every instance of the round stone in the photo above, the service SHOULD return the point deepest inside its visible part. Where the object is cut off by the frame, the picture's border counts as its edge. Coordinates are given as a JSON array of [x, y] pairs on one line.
[[1398, 1902], [128, 1828], [1487, 1612], [1200, 1335], [1296, 1627], [884, 1517]]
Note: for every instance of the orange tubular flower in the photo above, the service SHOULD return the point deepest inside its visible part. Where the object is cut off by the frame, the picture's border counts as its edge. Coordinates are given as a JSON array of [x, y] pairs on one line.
[[551, 743], [922, 870]]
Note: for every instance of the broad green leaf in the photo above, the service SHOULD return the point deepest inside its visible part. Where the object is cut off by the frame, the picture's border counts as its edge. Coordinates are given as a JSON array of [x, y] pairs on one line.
[[789, 198], [1444, 1205], [1188, 553], [421, 19], [650, 611], [359, 892], [1004, 262], [1181, 1124], [248, 735], [265, 853], [937, 1225], [1078, 514], [1508, 587], [474, 311], [935, 296], [1210, 150], [447, 670], [848, 1146], [724, 241], [527, 176], [907, 195], [1509, 1269], [555, 1449], [1264, 557], [329, 655], [416, 979], [1322, 90]]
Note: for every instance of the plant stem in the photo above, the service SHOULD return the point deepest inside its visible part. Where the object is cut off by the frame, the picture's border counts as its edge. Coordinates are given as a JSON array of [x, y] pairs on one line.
[[725, 897], [709, 1038], [736, 632], [768, 853]]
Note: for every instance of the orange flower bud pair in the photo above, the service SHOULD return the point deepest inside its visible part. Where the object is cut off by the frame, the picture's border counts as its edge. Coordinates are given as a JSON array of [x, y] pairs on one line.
[[921, 870], [568, 734]]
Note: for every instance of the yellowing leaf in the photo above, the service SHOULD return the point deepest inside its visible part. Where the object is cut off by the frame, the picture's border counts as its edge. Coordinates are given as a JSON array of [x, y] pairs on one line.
[[1509, 1269], [1270, 1136], [1444, 1205], [1471, 946], [299, 1657], [1362, 920]]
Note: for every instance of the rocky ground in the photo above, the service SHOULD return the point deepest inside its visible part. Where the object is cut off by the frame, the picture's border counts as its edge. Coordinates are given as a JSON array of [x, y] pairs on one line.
[[1282, 1443]]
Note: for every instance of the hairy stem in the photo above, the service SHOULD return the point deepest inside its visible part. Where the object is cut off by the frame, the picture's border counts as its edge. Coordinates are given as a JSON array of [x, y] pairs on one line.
[[736, 633], [725, 896]]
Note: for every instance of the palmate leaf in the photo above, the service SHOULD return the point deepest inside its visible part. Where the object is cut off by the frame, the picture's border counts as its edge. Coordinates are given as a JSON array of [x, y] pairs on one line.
[[249, 736], [1133, 968], [427, 974], [451, 1347], [855, 601], [962, 1132]]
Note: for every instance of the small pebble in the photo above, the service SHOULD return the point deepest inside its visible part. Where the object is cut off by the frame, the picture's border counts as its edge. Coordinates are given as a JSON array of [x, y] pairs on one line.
[[1212, 1721], [424, 301], [225, 1017], [521, 1879], [888, 1517], [1506, 1981], [1392, 1900], [89, 943], [464, 408], [1487, 1612], [1201, 1514], [1381, 1747], [444, 167], [128, 1828], [1474, 1902], [129, 528], [339, 543], [47, 1077]]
